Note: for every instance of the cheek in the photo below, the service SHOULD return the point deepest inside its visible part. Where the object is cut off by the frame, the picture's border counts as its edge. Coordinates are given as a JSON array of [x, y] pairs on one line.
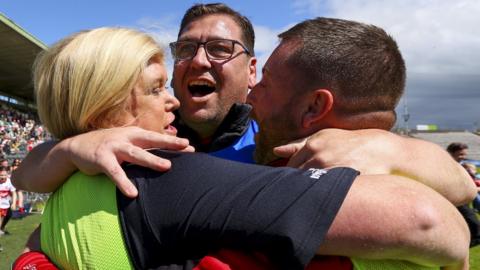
[[177, 76]]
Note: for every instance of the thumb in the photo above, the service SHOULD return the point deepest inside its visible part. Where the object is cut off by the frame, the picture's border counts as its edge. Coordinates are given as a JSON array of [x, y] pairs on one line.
[[288, 150]]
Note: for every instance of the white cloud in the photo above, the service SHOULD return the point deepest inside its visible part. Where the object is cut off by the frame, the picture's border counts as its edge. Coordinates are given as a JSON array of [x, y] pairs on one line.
[[265, 41], [435, 36], [164, 31]]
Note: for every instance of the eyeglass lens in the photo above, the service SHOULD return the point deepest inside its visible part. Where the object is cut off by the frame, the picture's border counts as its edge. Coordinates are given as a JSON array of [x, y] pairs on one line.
[[216, 49]]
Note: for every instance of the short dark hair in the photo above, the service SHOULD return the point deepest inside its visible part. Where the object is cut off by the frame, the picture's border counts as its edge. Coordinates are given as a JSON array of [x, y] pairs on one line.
[[199, 10], [361, 64], [456, 146]]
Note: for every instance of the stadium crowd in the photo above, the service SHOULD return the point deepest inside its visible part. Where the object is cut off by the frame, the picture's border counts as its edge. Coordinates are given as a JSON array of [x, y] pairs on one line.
[[19, 132]]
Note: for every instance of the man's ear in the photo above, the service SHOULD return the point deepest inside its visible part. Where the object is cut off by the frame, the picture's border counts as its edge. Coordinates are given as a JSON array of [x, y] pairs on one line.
[[319, 106], [252, 75]]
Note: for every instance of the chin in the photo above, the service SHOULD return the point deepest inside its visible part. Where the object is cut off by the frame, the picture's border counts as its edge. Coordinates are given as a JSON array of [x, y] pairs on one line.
[[200, 117]]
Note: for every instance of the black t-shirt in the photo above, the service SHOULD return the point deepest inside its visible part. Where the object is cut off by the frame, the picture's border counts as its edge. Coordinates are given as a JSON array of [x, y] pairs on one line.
[[204, 203]]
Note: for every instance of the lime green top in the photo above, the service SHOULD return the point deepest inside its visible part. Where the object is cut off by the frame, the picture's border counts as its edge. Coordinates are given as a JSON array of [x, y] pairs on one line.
[[365, 264], [80, 225]]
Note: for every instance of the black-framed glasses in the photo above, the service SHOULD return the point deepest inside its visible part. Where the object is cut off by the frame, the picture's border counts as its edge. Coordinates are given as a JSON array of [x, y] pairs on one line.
[[217, 49]]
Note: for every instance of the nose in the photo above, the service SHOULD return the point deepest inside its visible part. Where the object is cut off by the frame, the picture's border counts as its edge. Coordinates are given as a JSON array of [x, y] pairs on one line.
[[200, 60], [172, 103]]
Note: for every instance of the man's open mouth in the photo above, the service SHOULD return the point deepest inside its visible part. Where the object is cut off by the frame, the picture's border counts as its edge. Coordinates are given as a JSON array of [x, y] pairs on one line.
[[200, 88]]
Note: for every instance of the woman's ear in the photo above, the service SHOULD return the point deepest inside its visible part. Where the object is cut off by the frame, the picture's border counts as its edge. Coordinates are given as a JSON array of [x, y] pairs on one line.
[[319, 107]]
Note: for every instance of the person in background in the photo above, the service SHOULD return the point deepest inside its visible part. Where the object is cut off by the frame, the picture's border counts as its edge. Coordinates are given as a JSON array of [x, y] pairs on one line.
[[472, 171], [4, 163], [20, 198], [459, 152], [8, 195], [6, 216]]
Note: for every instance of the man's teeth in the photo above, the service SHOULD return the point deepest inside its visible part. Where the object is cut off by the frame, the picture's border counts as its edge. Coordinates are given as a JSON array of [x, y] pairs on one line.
[[201, 83]]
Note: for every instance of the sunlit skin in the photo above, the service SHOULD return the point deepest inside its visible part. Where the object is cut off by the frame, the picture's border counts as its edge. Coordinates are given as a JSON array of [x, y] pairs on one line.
[[3, 177], [460, 155], [229, 79], [150, 105], [277, 106]]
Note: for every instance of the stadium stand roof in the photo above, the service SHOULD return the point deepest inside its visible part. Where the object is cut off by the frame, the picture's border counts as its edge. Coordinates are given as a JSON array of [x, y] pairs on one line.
[[18, 50]]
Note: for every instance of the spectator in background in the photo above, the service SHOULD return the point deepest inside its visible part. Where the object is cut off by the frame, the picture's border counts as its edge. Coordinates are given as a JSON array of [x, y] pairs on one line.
[[472, 171], [7, 195], [16, 129], [8, 214], [459, 152], [20, 199], [4, 163]]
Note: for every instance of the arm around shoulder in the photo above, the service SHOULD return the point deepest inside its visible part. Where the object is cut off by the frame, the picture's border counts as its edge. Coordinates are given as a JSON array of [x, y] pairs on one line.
[[431, 165], [45, 168], [404, 219]]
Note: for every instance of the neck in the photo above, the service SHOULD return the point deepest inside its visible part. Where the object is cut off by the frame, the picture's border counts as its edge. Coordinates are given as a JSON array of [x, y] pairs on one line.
[[377, 119], [263, 157], [264, 148]]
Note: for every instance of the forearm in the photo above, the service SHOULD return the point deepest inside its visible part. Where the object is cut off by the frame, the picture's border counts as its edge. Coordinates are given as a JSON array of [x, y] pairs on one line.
[[14, 201], [20, 198], [374, 151], [33, 242], [45, 168], [398, 219], [431, 165]]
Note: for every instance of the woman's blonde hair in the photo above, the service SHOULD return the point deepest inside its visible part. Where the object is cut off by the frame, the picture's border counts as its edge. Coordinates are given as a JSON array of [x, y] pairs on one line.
[[83, 81]]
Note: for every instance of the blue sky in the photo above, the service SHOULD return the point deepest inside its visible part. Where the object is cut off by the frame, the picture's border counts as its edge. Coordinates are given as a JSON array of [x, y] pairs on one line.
[[439, 39]]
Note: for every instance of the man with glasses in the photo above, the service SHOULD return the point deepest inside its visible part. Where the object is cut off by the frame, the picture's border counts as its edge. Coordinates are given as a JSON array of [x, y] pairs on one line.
[[216, 50], [214, 68]]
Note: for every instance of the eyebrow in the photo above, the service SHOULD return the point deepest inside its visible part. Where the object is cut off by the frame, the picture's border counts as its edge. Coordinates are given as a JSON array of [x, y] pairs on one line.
[[157, 81], [194, 39]]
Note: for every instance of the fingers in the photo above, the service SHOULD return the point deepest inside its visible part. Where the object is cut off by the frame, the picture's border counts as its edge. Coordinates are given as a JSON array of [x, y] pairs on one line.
[[299, 160], [149, 139], [142, 157], [189, 148], [295, 152], [120, 179], [302, 155], [307, 155], [113, 146], [287, 150]]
